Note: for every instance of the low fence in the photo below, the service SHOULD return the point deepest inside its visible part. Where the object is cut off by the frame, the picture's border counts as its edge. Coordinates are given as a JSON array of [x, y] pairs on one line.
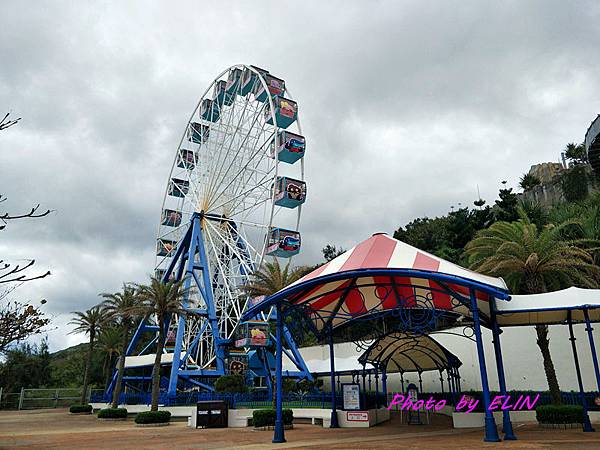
[[40, 398], [251, 400]]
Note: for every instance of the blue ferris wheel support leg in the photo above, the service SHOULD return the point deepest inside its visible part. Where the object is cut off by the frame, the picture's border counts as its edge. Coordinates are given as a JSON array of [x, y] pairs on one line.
[[192, 256]]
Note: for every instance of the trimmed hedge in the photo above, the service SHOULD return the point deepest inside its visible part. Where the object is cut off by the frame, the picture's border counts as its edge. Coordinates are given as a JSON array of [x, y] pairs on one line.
[[231, 384], [559, 414], [80, 408], [112, 413], [153, 417], [267, 417]]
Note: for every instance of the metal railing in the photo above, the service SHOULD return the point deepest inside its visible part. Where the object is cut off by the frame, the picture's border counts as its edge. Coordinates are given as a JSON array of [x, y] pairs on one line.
[[40, 398], [251, 400]]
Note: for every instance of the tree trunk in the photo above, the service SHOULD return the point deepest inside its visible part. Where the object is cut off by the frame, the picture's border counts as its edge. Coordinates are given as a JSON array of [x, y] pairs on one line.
[[121, 367], [544, 344], [535, 285], [86, 374], [109, 362], [156, 370]]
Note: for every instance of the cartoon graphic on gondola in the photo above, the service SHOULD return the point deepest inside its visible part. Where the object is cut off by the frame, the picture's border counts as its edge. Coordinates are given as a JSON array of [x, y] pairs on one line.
[[295, 146], [252, 334], [294, 192], [257, 337], [283, 243], [289, 244]]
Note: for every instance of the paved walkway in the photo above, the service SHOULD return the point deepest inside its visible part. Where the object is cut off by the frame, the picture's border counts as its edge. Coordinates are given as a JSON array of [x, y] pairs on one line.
[[56, 429]]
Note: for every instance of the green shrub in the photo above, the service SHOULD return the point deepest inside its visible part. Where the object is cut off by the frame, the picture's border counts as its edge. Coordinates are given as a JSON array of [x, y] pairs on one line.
[[267, 417], [112, 413], [559, 414], [231, 384], [153, 417], [80, 408]]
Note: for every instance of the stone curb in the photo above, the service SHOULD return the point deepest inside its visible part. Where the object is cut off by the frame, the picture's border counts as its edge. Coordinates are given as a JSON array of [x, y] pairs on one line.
[[161, 424]]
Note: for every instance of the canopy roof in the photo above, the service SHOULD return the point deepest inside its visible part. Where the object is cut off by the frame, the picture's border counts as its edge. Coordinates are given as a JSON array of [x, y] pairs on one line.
[[407, 352], [383, 275], [550, 308]]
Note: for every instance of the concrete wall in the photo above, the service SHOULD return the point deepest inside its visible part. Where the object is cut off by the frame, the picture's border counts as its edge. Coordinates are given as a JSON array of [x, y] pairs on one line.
[[522, 360]]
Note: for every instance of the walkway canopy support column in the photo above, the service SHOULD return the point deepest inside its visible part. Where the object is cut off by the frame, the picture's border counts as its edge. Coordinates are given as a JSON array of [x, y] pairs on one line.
[[334, 418], [279, 436], [491, 433], [384, 384], [589, 330], [507, 428], [376, 388], [587, 426]]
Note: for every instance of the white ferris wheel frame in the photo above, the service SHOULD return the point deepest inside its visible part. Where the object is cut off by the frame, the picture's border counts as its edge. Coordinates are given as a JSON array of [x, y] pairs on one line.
[[229, 300]]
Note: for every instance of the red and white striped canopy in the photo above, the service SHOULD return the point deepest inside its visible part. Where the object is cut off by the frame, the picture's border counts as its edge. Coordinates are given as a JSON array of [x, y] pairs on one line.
[[368, 293], [381, 251]]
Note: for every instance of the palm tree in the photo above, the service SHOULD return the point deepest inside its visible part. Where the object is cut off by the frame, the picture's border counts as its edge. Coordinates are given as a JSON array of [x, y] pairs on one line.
[[88, 322], [161, 300], [270, 278], [529, 181], [124, 307], [534, 261], [110, 341]]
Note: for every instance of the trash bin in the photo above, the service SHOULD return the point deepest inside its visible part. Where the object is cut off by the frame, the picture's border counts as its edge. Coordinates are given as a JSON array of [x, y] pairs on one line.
[[211, 414]]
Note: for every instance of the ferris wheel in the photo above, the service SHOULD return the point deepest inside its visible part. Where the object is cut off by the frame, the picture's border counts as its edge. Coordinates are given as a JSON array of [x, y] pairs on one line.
[[239, 171]]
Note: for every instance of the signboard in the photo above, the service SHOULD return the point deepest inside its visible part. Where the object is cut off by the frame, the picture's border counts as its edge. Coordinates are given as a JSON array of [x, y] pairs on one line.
[[361, 416], [351, 396]]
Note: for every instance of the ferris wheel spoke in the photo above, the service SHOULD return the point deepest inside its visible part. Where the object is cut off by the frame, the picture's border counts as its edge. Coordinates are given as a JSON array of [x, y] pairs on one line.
[[222, 269], [238, 152], [217, 161], [233, 248], [239, 173], [238, 199]]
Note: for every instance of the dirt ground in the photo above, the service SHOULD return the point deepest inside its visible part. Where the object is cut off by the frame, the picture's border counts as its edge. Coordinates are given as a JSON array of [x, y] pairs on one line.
[[57, 429]]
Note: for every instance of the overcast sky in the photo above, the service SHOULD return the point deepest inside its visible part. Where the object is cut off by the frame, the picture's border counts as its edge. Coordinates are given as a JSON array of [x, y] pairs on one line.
[[407, 107]]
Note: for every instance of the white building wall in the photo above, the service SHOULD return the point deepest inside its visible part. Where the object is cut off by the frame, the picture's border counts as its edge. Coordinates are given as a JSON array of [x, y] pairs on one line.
[[523, 365]]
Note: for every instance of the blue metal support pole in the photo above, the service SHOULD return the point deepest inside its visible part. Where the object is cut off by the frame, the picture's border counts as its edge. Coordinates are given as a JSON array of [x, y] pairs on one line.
[[334, 418], [491, 432], [420, 383], [506, 422], [189, 271], [589, 330], [587, 425], [279, 434]]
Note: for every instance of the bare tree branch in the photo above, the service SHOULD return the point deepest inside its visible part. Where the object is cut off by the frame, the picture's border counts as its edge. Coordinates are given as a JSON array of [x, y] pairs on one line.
[[6, 122], [12, 274]]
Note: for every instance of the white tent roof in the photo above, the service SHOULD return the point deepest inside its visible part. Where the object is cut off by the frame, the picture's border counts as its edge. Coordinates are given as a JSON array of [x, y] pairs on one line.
[[148, 360], [550, 308]]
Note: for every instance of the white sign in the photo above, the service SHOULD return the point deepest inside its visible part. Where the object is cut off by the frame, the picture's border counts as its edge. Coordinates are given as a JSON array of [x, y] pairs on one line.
[[351, 396], [362, 416]]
